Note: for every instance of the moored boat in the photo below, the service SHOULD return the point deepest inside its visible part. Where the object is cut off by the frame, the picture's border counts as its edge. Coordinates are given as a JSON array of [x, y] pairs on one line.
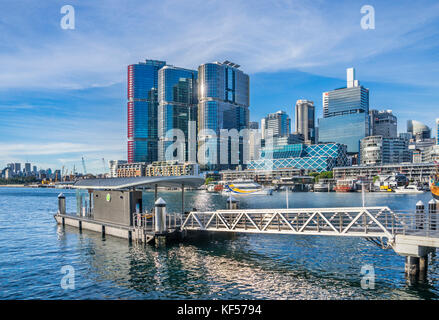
[[410, 189], [244, 187]]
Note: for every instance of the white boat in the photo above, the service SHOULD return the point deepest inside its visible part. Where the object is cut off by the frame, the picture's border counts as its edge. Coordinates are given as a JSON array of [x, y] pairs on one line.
[[246, 187], [322, 187], [411, 188]]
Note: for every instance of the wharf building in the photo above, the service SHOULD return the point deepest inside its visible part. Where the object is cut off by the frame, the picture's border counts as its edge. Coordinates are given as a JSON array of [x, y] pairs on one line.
[[305, 120], [383, 123], [377, 150], [142, 110], [345, 115], [418, 172], [223, 103], [318, 157], [177, 109], [263, 176]]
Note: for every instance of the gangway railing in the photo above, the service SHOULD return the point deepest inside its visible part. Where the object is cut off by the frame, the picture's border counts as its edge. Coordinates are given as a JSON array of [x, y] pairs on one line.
[[380, 222]]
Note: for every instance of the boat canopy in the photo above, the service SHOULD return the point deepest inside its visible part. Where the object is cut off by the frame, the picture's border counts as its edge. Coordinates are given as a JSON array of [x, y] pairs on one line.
[[133, 182]]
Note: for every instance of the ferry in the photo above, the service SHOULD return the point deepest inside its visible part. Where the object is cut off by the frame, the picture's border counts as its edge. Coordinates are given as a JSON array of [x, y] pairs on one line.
[[246, 187], [434, 184]]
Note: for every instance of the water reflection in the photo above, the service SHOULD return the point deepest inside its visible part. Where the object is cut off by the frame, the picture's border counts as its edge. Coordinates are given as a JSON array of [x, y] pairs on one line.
[[217, 267]]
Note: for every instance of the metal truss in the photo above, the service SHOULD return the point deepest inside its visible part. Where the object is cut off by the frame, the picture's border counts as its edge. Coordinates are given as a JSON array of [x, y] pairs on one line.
[[370, 222]]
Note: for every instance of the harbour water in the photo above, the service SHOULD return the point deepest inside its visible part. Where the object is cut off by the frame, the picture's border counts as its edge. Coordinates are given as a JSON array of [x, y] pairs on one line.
[[33, 249]]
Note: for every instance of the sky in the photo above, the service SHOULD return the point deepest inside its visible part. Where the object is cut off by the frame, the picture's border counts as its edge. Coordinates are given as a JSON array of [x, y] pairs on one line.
[[63, 91]]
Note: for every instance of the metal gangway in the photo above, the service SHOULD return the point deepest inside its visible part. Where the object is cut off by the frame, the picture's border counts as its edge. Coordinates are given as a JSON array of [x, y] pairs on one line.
[[366, 222]]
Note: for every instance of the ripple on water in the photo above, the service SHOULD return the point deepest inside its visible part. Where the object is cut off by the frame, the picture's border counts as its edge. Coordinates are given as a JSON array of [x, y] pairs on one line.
[[33, 250]]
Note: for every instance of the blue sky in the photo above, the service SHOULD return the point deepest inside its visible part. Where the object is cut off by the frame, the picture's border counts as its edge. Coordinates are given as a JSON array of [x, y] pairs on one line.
[[63, 92]]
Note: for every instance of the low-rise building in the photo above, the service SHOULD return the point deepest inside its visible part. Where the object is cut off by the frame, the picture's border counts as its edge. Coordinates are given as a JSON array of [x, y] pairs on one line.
[[171, 168], [113, 165], [430, 154], [134, 169]]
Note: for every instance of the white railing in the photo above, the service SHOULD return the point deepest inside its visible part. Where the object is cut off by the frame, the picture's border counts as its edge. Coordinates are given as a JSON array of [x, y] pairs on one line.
[[146, 221], [379, 222]]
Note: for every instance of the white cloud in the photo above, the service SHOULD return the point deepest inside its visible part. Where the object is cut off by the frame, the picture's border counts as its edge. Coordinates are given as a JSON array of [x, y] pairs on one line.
[[261, 36]]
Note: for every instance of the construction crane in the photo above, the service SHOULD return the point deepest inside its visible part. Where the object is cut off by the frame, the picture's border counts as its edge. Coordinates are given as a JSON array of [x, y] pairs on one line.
[[83, 166], [62, 174]]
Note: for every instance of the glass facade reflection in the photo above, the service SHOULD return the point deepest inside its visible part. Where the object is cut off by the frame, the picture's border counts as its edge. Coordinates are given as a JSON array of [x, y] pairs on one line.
[[347, 129], [223, 101], [345, 116], [318, 157], [142, 110], [177, 105]]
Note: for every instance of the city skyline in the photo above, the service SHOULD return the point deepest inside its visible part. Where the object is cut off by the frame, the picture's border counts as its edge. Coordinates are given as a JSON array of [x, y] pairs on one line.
[[60, 102]]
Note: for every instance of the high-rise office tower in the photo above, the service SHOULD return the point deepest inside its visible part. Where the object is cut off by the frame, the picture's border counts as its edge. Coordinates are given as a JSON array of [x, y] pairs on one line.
[[177, 95], [142, 110], [383, 123], [305, 120], [27, 167], [17, 167], [278, 124], [419, 130], [345, 114], [253, 125], [223, 102]]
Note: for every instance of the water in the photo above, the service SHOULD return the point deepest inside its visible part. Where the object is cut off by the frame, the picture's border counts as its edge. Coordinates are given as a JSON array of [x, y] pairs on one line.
[[33, 249]]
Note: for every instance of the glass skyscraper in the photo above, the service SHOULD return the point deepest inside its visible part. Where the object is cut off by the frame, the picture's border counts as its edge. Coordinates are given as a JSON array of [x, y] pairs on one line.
[[223, 102], [177, 95], [345, 115], [142, 110]]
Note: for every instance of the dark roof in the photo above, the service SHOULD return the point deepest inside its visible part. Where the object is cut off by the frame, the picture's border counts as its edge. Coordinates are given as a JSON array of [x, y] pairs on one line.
[[123, 183]]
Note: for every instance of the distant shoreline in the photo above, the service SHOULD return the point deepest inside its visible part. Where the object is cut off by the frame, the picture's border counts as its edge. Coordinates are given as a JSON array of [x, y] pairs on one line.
[[13, 185]]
